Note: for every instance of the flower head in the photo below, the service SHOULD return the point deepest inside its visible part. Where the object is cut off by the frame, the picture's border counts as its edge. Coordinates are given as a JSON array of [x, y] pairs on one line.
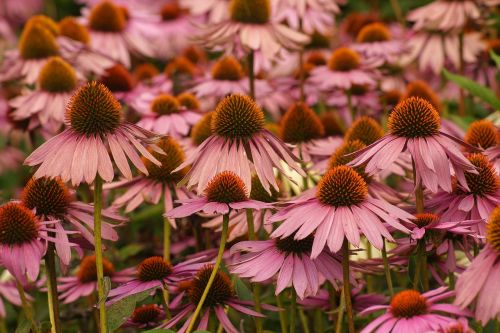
[[483, 134], [300, 124]]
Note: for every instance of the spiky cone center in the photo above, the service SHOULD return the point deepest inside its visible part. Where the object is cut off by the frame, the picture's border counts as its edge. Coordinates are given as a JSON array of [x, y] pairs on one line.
[[342, 186], [180, 66], [57, 76], [424, 219], [45, 22], [486, 181], [170, 11], [220, 291], [145, 72], [107, 17], [118, 79], [344, 59], [202, 129], [374, 32], [37, 42], [189, 101], [316, 58], [165, 104], [237, 117], [391, 97], [48, 196], [482, 133], [227, 69], [194, 54], [87, 272], [331, 124], [145, 314], [421, 89], [414, 117], [154, 268], [250, 11], [70, 28], [226, 187], [318, 41], [301, 124], [354, 22], [93, 110], [408, 304], [18, 224], [173, 157], [338, 157], [493, 230], [365, 129], [260, 194], [291, 245]]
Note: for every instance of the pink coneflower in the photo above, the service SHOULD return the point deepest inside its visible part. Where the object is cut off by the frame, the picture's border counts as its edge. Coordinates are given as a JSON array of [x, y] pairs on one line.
[[474, 201], [376, 44], [214, 11], [37, 44], [84, 282], [433, 49], [343, 70], [479, 283], [10, 158], [74, 40], [51, 200], [446, 15], [308, 16], [414, 127], [112, 32], [410, 310], [171, 34], [159, 183], [45, 106], [360, 300], [239, 143], [221, 294], [251, 27], [461, 325], [289, 261], [8, 291], [146, 316], [155, 273], [340, 209], [94, 122], [23, 240], [17, 13], [167, 114], [485, 135], [238, 223], [224, 192]]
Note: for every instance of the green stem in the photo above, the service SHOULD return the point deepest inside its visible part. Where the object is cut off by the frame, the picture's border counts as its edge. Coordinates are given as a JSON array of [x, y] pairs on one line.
[[387, 270], [165, 298], [222, 246], [303, 321], [349, 105], [417, 279], [28, 312], [256, 286], [347, 285], [251, 73], [340, 314], [369, 278], [282, 315], [52, 298], [166, 239], [451, 277], [98, 255], [419, 193], [398, 12], [293, 310], [3, 325], [318, 322], [332, 295]]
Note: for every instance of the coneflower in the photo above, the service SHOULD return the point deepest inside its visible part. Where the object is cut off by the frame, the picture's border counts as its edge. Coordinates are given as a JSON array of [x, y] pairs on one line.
[[146, 316]]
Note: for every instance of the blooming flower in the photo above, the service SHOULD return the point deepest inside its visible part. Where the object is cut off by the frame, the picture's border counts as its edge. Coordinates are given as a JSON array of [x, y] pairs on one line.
[[341, 208], [251, 27], [46, 105], [410, 310], [155, 273], [239, 146], [478, 284], [221, 294], [289, 261], [146, 316], [84, 282], [94, 122], [414, 126], [224, 192], [213, 11]]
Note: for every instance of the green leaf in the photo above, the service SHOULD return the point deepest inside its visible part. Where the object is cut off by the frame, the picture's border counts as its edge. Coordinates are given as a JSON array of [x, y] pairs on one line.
[[24, 327], [495, 57], [129, 251], [121, 310], [242, 290], [474, 88]]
